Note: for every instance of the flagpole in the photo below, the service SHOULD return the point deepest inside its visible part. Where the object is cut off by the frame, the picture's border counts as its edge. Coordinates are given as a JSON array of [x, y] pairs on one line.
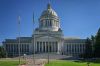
[[33, 40], [19, 38], [48, 40]]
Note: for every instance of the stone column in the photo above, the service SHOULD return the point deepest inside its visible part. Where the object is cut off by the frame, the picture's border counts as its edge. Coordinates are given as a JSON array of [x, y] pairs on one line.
[[36, 47], [80, 48], [57, 47], [9, 48], [42, 46], [77, 47], [74, 48], [68, 49], [45, 47], [13, 49], [39, 46], [58, 44], [51, 47], [54, 46]]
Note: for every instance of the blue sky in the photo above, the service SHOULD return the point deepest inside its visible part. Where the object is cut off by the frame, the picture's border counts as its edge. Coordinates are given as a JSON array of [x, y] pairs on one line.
[[79, 18]]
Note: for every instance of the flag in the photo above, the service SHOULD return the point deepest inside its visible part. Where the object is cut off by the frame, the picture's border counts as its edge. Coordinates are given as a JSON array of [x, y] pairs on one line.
[[18, 19], [33, 18]]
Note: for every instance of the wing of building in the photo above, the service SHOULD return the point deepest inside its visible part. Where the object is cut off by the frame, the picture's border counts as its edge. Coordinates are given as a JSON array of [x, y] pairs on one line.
[[48, 37]]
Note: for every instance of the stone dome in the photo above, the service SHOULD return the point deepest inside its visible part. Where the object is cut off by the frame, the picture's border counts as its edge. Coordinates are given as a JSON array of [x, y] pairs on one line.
[[49, 12], [49, 20]]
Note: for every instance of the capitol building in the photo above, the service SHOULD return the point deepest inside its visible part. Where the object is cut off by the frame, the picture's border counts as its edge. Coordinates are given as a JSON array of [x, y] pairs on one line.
[[48, 37]]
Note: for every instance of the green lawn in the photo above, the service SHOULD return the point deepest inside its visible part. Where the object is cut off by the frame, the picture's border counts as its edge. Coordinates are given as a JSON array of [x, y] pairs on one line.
[[9, 63], [70, 63]]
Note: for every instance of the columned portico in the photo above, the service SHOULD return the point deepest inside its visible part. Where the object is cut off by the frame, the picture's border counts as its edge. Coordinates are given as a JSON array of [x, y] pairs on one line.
[[48, 33], [43, 47]]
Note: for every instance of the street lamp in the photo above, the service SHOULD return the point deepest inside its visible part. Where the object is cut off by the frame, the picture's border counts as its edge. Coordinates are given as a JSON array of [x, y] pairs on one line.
[[25, 57], [48, 46]]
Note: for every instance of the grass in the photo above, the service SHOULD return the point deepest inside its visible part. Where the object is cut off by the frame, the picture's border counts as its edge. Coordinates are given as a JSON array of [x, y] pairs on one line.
[[70, 63], [10, 63]]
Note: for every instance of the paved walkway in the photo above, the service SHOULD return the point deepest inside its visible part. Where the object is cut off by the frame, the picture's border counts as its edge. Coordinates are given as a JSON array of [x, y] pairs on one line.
[[41, 59], [37, 62]]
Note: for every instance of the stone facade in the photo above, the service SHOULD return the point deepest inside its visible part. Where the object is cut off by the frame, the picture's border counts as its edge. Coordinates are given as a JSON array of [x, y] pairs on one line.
[[48, 37]]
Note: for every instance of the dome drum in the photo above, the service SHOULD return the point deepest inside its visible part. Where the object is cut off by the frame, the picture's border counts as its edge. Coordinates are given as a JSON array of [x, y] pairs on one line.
[[49, 20]]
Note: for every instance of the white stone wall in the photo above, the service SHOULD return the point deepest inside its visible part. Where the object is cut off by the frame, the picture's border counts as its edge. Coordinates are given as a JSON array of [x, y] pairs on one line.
[[74, 48]]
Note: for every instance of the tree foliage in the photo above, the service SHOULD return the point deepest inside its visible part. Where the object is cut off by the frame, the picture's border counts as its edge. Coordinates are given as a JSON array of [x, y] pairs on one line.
[[2, 52], [88, 49], [97, 44]]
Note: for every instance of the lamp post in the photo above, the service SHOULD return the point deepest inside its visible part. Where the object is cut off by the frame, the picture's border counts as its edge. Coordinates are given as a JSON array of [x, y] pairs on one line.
[[48, 45], [25, 57]]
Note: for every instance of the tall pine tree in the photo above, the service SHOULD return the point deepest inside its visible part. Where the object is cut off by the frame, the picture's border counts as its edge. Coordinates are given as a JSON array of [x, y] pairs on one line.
[[97, 44], [2, 52], [88, 50], [93, 43]]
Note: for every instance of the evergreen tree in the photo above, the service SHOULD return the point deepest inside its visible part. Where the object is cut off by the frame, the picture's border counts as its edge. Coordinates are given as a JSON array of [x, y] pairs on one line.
[[88, 48], [2, 52], [92, 43], [97, 44]]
